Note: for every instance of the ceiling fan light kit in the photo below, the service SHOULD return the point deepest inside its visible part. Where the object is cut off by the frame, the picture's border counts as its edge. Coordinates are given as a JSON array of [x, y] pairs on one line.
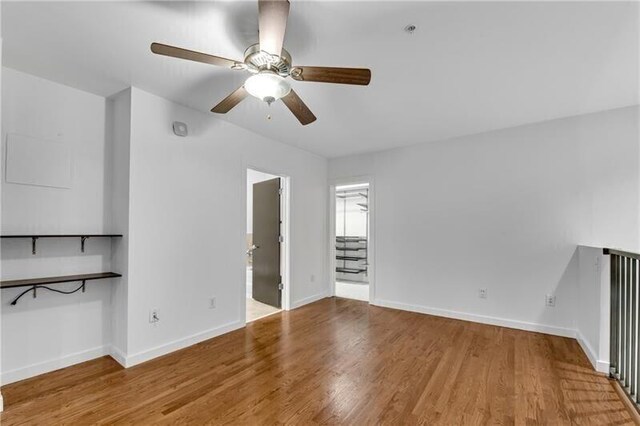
[[270, 65], [267, 86]]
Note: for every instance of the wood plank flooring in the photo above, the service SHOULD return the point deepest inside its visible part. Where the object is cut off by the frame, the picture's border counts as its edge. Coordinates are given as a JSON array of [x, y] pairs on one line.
[[336, 361]]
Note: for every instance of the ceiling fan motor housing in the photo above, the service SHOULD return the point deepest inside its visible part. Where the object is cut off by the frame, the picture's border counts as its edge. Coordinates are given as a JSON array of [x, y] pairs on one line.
[[258, 60]]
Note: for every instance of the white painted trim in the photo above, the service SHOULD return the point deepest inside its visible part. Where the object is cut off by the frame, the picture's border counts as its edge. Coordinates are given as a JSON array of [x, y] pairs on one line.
[[598, 365], [54, 364], [119, 356], [182, 343], [307, 300], [602, 366], [501, 322]]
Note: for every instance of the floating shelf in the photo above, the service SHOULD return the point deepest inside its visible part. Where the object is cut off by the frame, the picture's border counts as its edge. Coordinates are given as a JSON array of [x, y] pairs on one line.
[[351, 239], [352, 193], [53, 280], [61, 236], [83, 238], [350, 248], [36, 283]]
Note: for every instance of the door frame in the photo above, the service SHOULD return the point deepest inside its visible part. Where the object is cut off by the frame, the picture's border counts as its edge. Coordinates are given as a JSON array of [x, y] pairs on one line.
[[371, 246], [285, 207]]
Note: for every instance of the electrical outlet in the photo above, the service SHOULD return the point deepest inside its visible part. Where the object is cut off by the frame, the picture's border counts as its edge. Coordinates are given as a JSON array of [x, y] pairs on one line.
[[550, 300], [154, 316], [212, 303], [482, 293]]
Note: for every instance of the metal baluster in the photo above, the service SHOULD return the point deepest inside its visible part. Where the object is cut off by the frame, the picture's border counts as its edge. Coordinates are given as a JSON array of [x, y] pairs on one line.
[[633, 330], [623, 320], [613, 346], [627, 378], [620, 316]]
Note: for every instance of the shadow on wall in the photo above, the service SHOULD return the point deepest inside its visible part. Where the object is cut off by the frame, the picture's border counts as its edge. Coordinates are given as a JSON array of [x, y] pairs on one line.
[[565, 296]]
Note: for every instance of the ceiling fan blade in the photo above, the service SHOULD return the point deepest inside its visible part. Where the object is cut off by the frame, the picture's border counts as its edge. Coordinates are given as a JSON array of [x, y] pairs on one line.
[[360, 76], [298, 108], [230, 101], [177, 52], [272, 22]]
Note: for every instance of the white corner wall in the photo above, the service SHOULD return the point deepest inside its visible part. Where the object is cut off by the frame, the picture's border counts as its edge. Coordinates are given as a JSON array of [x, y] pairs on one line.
[[504, 211], [118, 118], [180, 203], [54, 331], [592, 306], [187, 224]]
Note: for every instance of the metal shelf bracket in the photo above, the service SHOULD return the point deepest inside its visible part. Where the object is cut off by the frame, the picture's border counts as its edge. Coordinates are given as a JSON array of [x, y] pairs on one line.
[[34, 289]]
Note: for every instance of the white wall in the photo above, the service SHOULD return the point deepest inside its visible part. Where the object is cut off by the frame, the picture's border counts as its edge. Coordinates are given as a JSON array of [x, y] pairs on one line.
[[181, 205], [592, 302], [54, 330], [505, 211], [118, 117], [350, 219], [1, 156], [187, 224]]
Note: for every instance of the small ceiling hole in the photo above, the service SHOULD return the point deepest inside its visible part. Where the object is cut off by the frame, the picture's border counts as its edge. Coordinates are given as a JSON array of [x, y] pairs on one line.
[[410, 28]]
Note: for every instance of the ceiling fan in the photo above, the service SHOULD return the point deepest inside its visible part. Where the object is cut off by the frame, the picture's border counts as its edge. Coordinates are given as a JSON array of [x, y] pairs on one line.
[[270, 65]]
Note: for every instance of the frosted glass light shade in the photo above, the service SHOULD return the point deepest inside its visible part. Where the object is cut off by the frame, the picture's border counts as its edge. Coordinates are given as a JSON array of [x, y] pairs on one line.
[[267, 86]]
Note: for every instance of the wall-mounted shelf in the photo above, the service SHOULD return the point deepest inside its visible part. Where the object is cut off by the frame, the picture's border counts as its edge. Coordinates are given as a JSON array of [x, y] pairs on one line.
[[54, 280], [350, 248], [35, 237], [351, 239], [350, 270], [35, 283], [353, 258]]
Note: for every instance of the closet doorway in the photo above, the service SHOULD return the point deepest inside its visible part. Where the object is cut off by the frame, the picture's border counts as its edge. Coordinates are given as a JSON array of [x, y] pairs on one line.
[[352, 241]]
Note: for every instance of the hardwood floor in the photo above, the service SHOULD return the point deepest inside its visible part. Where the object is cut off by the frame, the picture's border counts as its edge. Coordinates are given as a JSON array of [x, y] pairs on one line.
[[332, 362]]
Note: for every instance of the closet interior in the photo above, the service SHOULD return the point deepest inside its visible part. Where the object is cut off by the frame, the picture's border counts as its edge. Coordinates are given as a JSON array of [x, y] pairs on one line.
[[352, 241]]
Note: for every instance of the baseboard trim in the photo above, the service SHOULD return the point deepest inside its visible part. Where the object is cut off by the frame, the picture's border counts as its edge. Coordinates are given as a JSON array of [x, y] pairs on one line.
[[307, 300], [603, 367], [599, 365], [119, 356], [501, 322], [36, 369], [149, 354]]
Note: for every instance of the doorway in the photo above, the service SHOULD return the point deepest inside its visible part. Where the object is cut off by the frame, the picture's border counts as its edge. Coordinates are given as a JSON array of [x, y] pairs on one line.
[[352, 241], [264, 244]]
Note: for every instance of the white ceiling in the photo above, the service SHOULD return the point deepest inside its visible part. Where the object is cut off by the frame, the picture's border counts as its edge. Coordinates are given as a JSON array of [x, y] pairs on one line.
[[470, 67]]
